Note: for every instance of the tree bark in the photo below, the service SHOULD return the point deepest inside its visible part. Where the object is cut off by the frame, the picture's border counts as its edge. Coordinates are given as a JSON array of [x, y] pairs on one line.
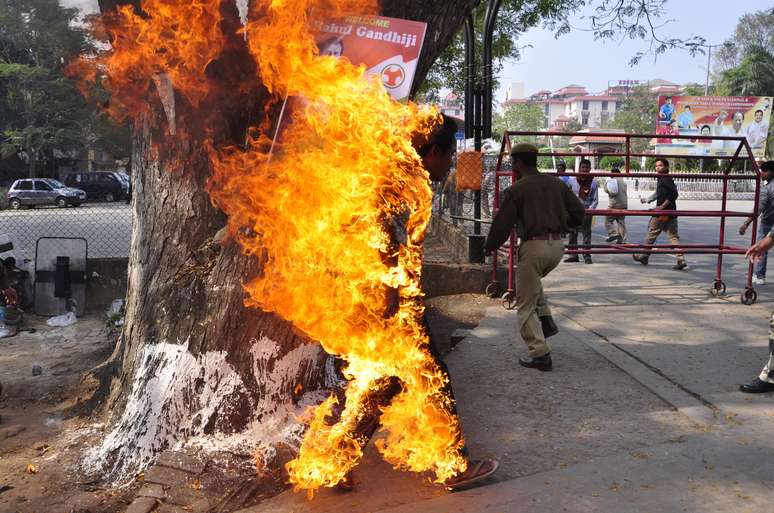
[[193, 365]]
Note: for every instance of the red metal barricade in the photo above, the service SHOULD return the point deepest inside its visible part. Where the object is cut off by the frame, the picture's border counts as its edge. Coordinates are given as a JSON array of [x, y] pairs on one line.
[[749, 295]]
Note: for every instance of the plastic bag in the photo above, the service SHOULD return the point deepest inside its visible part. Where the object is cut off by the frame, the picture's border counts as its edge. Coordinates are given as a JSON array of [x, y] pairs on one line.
[[62, 320], [115, 307]]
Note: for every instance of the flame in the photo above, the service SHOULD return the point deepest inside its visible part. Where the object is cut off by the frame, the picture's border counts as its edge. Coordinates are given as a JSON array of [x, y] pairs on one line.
[[317, 213]]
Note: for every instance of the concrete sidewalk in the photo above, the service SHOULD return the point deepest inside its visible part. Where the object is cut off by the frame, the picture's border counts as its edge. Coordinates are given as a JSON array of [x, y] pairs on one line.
[[641, 412], [690, 349]]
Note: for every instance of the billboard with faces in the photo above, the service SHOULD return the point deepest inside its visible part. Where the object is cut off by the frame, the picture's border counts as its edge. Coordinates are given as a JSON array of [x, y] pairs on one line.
[[730, 116]]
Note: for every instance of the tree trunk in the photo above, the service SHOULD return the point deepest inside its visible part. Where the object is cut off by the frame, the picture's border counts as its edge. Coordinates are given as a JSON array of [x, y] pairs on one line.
[[193, 365]]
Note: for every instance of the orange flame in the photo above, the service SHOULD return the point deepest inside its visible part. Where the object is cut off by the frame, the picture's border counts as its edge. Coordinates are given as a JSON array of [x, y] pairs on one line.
[[316, 213]]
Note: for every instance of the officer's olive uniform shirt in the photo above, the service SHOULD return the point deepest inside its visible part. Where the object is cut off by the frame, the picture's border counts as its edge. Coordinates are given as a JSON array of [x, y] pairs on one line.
[[537, 205]]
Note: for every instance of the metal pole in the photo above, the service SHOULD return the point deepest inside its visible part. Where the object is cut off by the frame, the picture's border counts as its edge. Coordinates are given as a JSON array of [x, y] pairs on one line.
[[477, 128], [470, 64], [706, 84], [489, 24]]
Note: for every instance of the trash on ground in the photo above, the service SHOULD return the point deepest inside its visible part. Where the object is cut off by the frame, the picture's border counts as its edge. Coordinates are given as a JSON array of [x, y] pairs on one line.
[[62, 320]]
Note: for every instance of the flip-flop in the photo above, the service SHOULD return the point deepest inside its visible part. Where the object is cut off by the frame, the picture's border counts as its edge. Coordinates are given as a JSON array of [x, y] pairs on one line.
[[477, 470]]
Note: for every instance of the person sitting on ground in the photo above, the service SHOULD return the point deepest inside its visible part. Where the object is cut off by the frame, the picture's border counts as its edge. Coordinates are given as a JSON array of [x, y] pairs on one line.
[[766, 220], [666, 197], [615, 187], [588, 194], [541, 208]]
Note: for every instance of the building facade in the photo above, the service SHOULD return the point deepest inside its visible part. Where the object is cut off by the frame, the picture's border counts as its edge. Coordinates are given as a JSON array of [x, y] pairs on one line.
[[572, 103]]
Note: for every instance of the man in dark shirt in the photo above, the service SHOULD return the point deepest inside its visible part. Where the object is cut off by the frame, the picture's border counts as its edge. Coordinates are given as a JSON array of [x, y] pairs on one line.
[[541, 208], [666, 199]]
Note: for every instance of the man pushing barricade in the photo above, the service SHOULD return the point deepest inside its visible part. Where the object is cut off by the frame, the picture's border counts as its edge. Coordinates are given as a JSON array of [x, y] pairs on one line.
[[541, 208]]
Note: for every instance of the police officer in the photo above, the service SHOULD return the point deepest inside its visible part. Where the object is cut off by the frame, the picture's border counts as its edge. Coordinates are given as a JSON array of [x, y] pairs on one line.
[[541, 207]]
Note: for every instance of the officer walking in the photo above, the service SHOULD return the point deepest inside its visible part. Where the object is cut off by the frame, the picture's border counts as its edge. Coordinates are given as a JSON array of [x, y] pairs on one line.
[[542, 208]]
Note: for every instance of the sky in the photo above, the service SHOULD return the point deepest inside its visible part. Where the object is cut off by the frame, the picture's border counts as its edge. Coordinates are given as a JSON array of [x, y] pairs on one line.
[[577, 58]]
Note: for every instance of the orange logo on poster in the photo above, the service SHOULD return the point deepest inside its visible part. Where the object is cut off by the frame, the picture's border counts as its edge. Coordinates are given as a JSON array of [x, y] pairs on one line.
[[393, 76]]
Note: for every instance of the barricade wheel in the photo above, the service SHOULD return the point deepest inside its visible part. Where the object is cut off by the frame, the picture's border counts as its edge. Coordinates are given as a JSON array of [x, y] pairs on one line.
[[509, 301], [749, 296], [493, 289], [718, 288]]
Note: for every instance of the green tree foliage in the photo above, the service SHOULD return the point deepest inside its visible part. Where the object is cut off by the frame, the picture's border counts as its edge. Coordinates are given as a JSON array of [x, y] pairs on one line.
[[637, 115], [609, 162], [515, 18], [753, 77], [518, 117], [41, 110], [753, 30]]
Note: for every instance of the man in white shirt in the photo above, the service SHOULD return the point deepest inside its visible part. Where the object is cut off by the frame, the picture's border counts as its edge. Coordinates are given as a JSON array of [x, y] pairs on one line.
[[569, 181], [758, 131], [615, 187], [735, 130]]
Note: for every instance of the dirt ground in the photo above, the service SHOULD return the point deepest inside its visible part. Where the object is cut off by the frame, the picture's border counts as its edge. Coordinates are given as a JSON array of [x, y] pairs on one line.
[[38, 445]]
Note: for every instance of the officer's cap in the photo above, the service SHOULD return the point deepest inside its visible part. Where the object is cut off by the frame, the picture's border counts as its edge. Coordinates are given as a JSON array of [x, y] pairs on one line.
[[523, 148]]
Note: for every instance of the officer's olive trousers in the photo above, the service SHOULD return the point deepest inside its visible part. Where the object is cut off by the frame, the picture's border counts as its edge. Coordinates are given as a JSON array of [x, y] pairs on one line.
[[537, 258]]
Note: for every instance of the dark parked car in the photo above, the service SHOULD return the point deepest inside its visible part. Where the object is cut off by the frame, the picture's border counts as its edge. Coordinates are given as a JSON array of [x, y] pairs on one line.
[[103, 185], [30, 192]]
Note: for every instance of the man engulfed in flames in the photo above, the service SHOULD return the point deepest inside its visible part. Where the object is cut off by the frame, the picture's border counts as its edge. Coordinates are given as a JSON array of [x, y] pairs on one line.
[[330, 202]]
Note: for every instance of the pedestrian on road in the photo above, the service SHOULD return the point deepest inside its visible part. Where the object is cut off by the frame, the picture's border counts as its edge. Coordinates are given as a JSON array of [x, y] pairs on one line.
[[541, 208], [766, 220], [765, 381], [588, 193], [666, 199], [615, 187], [569, 181]]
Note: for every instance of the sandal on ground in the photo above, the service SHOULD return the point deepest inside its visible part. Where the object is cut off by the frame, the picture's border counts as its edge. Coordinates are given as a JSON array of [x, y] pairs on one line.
[[477, 470], [346, 485]]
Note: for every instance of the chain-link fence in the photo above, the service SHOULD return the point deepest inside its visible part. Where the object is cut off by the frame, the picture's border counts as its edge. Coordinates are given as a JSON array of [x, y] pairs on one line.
[[107, 227]]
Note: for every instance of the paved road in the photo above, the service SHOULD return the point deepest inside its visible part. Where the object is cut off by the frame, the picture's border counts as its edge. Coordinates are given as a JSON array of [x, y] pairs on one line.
[[693, 230], [106, 227]]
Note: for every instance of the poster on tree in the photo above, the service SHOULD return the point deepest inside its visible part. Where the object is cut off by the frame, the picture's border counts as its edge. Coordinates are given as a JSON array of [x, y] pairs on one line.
[[387, 47], [727, 116]]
